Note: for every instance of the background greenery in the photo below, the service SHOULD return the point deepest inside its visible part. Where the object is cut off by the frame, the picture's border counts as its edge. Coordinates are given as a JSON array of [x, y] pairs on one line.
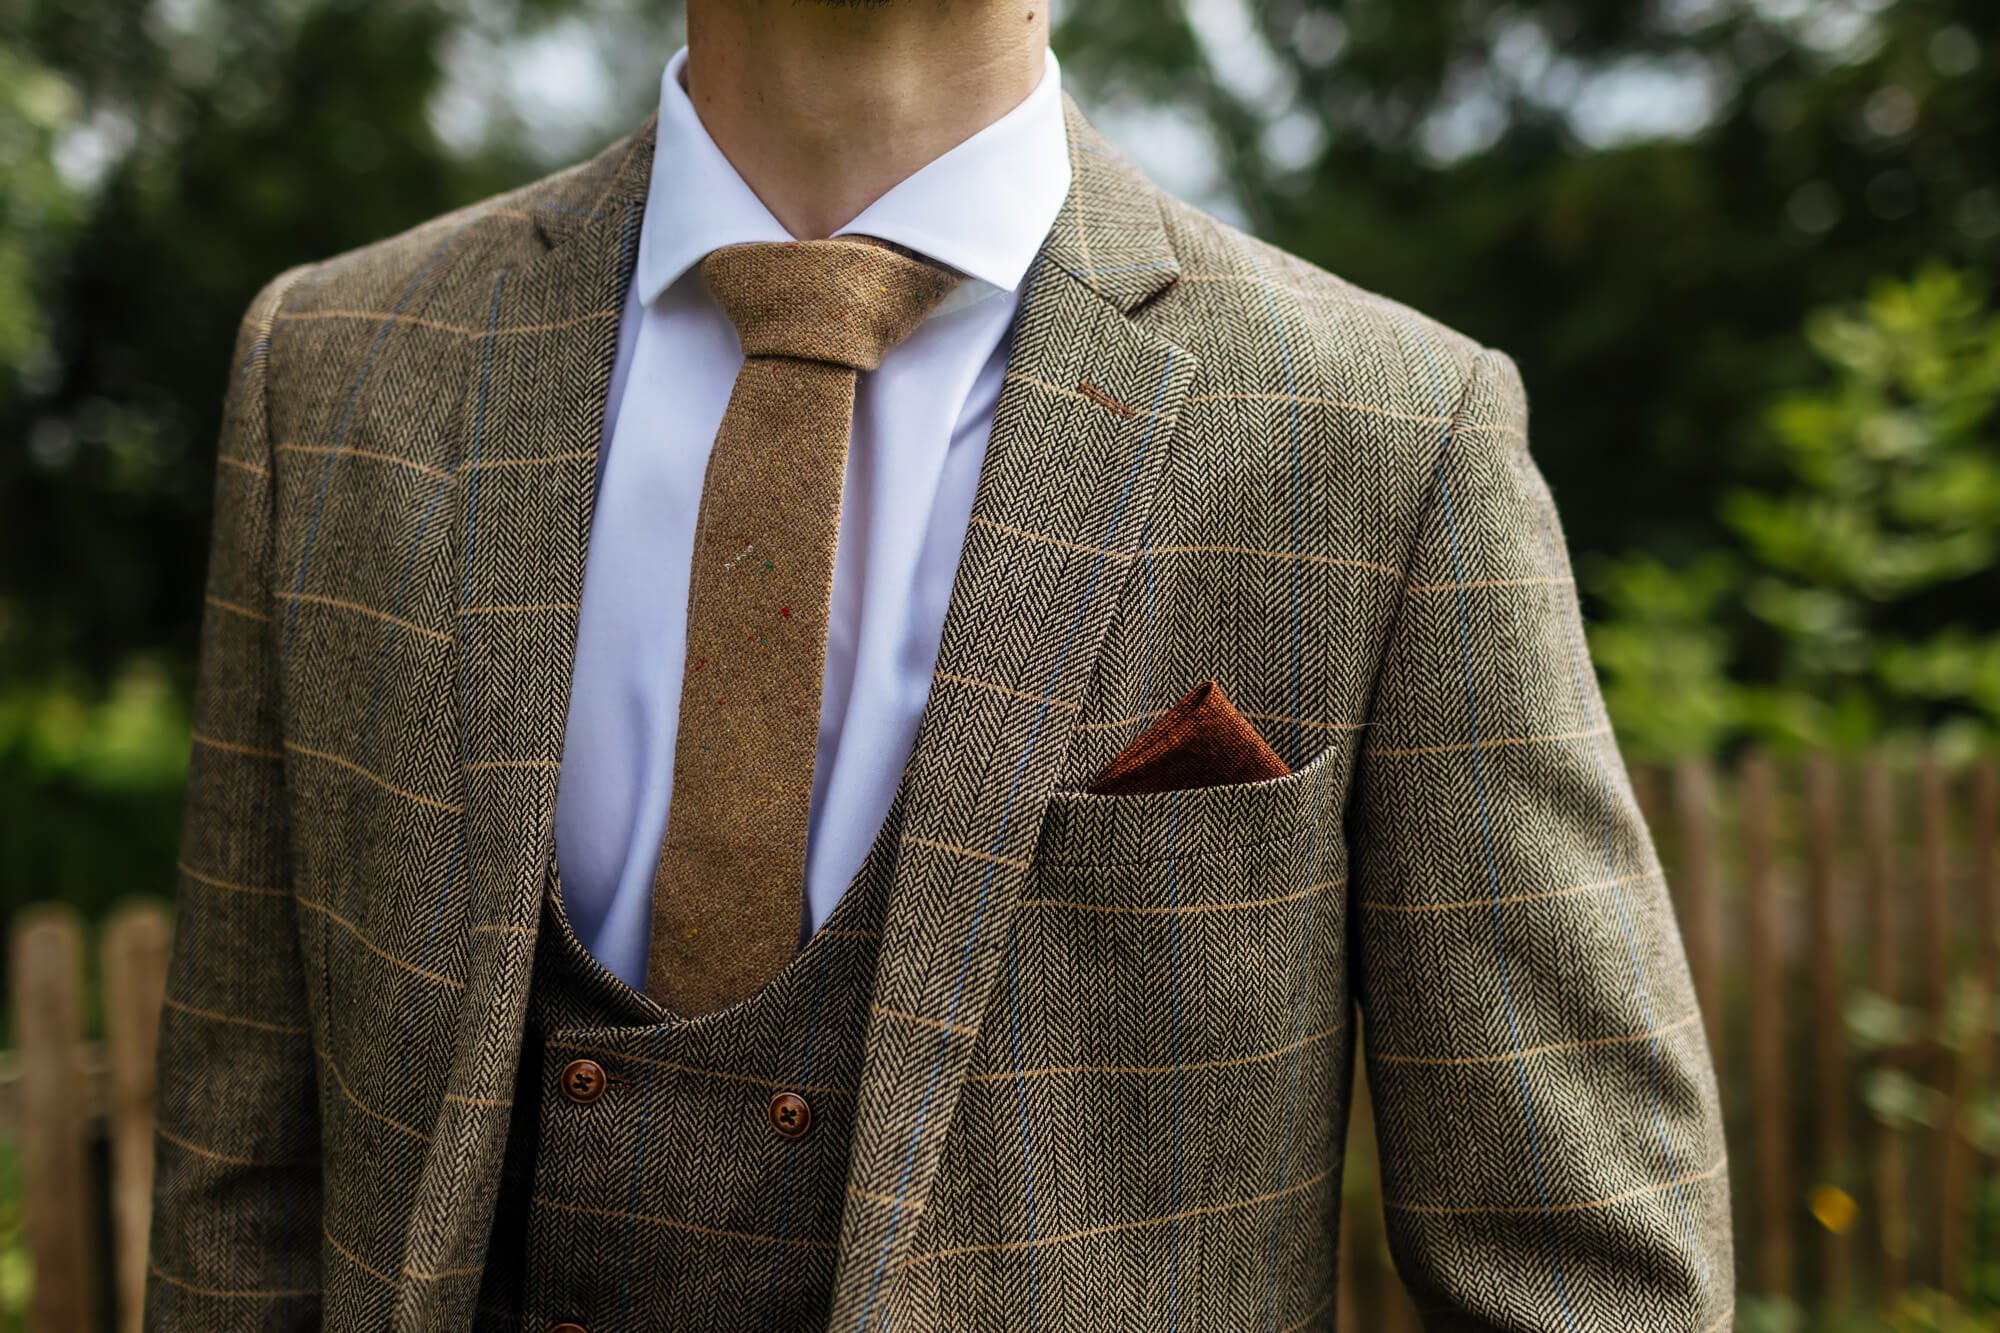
[[1744, 251]]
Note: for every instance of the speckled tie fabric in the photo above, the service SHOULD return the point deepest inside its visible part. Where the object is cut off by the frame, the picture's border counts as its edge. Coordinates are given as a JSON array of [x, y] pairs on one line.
[[729, 889]]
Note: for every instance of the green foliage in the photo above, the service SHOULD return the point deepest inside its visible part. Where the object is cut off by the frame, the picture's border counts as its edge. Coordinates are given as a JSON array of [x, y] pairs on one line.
[[89, 789], [1856, 597], [1890, 1040], [1894, 1044], [1898, 473], [37, 208], [1664, 654], [1913, 1312], [17, 1268]]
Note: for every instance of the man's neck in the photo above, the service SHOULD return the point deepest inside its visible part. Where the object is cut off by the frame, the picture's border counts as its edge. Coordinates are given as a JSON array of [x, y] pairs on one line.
[[823, 107]]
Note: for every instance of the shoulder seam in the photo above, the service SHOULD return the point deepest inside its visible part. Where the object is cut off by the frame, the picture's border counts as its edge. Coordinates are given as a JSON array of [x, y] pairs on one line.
[[280, 288]]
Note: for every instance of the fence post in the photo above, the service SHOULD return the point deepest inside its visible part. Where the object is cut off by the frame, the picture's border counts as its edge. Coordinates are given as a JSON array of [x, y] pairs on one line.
[[1888, 1172], [55, 1163], [133, 955], [1824, 947], [1694, 877], [1986, 873], [1646, 791], [1987, 955], [1947, 1199], [1769, 1124]]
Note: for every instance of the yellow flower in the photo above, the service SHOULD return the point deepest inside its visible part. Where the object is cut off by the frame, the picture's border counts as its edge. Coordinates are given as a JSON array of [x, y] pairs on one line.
[[1832, 1207]]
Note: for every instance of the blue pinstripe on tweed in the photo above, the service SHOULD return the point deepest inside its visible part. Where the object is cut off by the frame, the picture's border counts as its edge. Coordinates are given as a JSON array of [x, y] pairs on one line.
[[262, 349], [1293, 710], [451, 882], [394, 622], [635, 1192], [1298, 506]]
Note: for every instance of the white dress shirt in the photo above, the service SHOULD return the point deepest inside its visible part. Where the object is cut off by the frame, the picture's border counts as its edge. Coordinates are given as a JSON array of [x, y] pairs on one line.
[[921, 422]]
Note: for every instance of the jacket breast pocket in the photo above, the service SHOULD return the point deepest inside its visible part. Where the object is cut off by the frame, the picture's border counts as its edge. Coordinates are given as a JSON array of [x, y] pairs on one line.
[[1185, 922], [1162, 1059]]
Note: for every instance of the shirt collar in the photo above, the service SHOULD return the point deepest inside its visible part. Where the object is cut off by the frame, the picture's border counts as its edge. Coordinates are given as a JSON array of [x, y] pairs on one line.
[[983, 207]]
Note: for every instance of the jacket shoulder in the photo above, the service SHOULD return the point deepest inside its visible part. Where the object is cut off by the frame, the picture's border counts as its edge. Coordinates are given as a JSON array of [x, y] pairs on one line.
[[418, 264], [1310, 323]]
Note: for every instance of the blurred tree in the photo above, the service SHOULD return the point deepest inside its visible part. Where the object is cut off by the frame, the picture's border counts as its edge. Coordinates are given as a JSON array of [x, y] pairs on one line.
[[160, 159], [212, 143], [37, 208], [1856, 597]]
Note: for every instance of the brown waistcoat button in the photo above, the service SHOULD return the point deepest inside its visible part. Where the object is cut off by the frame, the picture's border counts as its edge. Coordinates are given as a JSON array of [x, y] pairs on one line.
[[790, 1115], [569, 1328], [583, 1082]]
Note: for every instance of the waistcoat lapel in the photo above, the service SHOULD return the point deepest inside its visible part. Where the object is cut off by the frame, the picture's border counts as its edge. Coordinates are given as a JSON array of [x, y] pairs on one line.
[[533, 410], [1080, 436]]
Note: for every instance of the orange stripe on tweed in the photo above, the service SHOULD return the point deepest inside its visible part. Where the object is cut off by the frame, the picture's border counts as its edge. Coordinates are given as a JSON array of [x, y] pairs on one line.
[[728, 892]]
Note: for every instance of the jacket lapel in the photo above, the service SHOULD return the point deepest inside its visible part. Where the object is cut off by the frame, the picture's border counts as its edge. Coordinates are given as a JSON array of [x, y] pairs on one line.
[[533, 408], [1079, 441]]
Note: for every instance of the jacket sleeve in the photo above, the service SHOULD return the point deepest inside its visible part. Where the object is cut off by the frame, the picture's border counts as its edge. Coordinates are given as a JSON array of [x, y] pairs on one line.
[[1551, 1145], [236, 1203]]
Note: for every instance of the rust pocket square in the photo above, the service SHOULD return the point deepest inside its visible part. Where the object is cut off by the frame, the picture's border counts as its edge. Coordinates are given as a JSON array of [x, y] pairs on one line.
[[1202, 741]]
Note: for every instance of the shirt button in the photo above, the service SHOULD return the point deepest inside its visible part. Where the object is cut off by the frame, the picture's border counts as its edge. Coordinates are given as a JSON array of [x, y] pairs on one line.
[[583, 1082], [790, 1115]]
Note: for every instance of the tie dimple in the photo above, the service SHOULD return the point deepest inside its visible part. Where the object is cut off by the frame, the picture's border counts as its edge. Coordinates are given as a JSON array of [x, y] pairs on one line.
[[843, 302], [729, 885]]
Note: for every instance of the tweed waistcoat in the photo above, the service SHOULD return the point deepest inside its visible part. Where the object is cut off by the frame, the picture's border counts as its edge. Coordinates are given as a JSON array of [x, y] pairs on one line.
[[668, 1200]]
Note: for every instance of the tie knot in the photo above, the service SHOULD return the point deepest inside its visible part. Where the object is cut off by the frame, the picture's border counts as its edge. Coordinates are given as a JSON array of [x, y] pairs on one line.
[[842, 301]]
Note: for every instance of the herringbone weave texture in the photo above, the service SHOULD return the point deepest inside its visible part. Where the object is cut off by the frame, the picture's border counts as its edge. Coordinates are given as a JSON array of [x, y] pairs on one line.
[[729, 888], [1109, 1039]]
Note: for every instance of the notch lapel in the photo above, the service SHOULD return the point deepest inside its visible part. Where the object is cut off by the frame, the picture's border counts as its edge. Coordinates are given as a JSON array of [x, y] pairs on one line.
[[533, 410], [1079, 442]]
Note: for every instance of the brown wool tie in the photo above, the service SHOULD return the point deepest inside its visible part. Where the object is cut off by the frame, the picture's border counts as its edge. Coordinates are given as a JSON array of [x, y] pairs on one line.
[[729, 889]]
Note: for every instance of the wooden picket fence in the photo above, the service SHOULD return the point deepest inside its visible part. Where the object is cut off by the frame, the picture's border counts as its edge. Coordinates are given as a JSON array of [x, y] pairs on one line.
[[1798, 885], [63, 1101]]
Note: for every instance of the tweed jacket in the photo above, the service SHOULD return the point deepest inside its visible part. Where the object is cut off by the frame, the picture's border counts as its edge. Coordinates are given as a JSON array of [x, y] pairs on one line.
[[1111, 1039]]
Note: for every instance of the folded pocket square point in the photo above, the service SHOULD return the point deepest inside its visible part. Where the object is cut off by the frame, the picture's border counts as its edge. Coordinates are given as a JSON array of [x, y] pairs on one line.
[[1202, 741]]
